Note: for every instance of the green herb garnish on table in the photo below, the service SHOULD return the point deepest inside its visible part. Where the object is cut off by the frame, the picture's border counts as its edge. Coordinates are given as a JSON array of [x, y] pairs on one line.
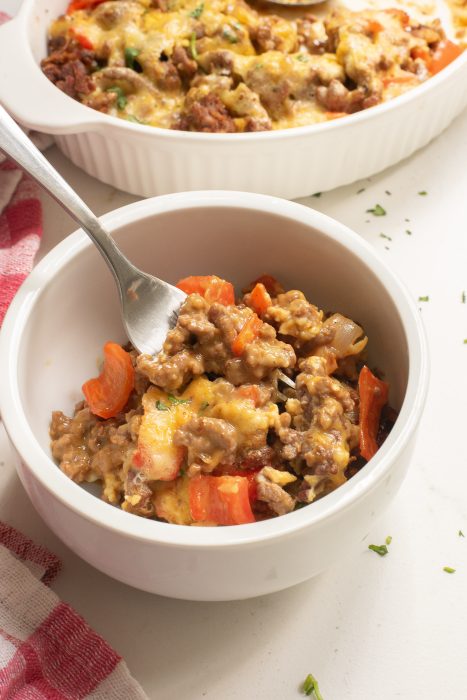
[[380, 549], [449, 570], [377, 210], [310, 687], [426, 298]]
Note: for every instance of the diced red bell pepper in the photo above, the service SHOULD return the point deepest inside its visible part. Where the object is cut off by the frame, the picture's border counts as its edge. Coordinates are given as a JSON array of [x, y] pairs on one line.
[[273, 287], [82, 5], [212, 288], [223, 500], [108, 393], [260, 299], [82, 40], [445, 54], [373, 396]]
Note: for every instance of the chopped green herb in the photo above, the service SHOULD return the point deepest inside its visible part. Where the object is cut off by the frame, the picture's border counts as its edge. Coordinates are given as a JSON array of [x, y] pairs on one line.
[[465, 341], [198, 11], [388, 540], [383, 235], [302, 57], [362, 189], [408, 220], [423, 193], [386, 247], [317, 194], [310, 687], [408, 232], [461, 534], [380, 549], [161, 406], [176, 402], [258, 65], [449, 570], [230, 36], [427, 298], [377, 210], [194, 53], [121, 97], [204, 406], [130, 55], [463, 298], [387, 192], [132, 118]]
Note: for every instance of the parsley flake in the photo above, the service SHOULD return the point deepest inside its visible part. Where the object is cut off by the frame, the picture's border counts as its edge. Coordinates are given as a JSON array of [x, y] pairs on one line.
[[377, 210], [302, 57], [408, 232], [204, 406], [427, 298], [423, 193], [383, 235], [461, 534], [465, 341], [194, 53], [388, 540], [310, 687], [121, 97], [132, 118], [130, 56], [449, 570], [317, 194], [408, 220], [160, 405], [197, 12], [463, 298], [380, 549], [175, 401], [387, 192], [362, 189], [230, 36]]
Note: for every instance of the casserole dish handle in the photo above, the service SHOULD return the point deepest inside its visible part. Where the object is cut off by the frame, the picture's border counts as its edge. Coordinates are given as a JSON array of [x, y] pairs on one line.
[[29, 96]]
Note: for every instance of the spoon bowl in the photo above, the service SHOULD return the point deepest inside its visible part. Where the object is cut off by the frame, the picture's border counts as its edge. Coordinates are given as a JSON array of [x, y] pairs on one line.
[[149, 305]]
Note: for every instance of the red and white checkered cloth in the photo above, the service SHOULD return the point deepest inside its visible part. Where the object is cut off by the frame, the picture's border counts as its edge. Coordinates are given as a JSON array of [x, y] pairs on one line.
[[47, 651]]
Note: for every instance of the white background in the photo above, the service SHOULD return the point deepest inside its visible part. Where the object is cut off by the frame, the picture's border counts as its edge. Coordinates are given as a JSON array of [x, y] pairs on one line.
[[371, 628]]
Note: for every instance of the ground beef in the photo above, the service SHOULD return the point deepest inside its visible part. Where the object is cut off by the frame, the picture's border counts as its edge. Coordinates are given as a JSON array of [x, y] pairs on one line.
[[278, 500], [208, 114], [295, 318], [185, 66], [174, 372], [209, 442], [337, 98], [69, 68], [220, 62]]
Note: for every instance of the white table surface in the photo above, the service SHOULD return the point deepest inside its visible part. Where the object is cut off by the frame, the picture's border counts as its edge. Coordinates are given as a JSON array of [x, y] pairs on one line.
[[371, 628]]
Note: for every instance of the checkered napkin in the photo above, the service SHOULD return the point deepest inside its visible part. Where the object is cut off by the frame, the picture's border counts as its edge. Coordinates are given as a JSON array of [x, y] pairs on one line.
[[47, 651]]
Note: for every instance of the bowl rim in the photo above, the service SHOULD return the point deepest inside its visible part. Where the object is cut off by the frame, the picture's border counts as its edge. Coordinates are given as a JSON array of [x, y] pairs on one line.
[[75, 498], [91, 118]]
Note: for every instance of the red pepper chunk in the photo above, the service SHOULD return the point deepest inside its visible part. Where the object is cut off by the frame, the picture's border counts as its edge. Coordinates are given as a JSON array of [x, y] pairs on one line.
[[108, 393], [212, 288], [260, 300], [373, 396], [273, 287], [248, 333], [445, 54], [82, 5], [82, 40], [223, 500]]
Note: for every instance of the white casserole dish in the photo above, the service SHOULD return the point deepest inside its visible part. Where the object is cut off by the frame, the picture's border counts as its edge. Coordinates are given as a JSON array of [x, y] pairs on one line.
[[148, 160], [68, 307]]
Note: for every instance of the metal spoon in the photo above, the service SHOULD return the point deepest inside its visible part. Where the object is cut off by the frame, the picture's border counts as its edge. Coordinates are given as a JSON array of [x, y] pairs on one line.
[[149, 305]]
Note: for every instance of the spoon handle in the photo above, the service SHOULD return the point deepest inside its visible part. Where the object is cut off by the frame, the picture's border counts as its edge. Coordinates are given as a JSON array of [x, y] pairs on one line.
[[17, 146]]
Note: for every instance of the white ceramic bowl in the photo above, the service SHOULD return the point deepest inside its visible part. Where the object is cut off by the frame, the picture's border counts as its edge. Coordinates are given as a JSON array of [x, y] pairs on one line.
[[147, 160], [68, 308]]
